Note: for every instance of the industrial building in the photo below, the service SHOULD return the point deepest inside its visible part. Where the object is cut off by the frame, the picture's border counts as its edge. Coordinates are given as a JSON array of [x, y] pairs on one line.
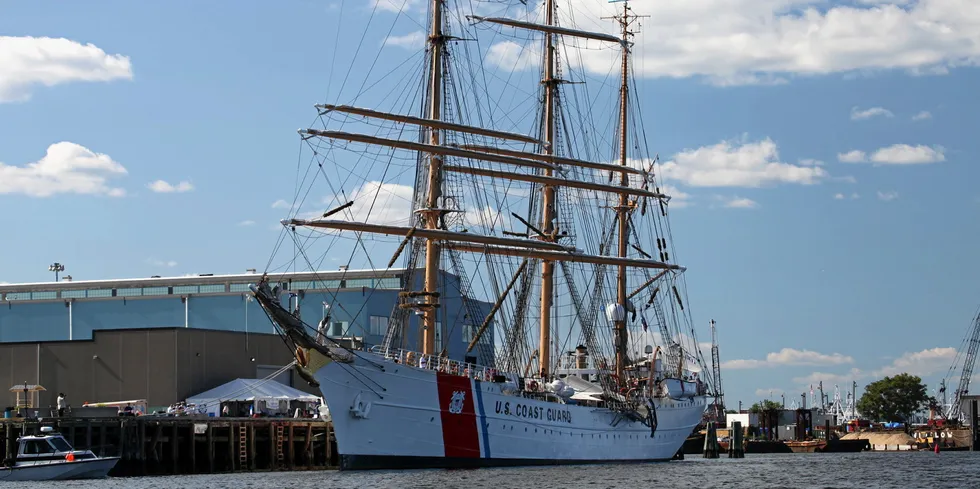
[[163, 339]]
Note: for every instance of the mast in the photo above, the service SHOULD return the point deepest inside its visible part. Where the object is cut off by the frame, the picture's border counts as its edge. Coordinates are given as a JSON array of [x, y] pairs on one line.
[[431, 213], [548, 195], [622, 210]]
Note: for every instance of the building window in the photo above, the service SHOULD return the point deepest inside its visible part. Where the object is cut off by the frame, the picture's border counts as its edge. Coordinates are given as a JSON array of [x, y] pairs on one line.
[[359, 282], [438, 337], [469, 331], [156, 290], [379, 325], [337, 328]]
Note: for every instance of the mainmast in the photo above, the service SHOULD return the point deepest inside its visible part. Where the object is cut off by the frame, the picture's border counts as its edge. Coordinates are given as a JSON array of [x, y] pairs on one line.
[[431, 213], [548, 195], [624, 207]]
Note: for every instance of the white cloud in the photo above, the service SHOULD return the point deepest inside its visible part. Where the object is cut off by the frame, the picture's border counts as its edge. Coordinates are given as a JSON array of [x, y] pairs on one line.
[[854, 156], [737, 164], [379, 203], [767, 392], [830, 379], [412, 40], [678, 198], [840, 196], [487, 218], [766, 41], [394, 5], [513, 56], [887, 196], [896, 154], [903, 154], [857, 114], [161, 263], [846, 179], [26, 62], [281, 204], [65, 168], [741, 203], [247, 223], [921, 116], [921, 363], [790, 356], [162, 187]]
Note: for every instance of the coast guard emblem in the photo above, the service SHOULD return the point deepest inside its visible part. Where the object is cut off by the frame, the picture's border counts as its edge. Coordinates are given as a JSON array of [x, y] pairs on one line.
[[456, 404]]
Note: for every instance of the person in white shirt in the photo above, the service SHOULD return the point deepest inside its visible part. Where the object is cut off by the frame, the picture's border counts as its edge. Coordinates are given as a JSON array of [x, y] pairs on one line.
[[61, 404]]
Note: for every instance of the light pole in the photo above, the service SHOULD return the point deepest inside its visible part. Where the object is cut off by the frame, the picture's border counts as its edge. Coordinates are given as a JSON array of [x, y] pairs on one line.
[[56, 268]]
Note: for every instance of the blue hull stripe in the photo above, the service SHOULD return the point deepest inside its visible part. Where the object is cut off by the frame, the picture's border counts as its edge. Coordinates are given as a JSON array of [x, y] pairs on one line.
[[483, 418]]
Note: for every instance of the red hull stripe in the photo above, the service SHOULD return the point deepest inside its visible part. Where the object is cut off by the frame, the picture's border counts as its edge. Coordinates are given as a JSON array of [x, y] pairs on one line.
[[459, 432]]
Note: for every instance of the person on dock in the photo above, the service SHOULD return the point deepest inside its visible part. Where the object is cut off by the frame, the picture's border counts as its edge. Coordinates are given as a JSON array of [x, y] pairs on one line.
[[61, 404]]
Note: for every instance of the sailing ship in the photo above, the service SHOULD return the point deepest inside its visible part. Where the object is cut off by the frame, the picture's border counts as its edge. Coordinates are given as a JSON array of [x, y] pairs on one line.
[[615, 397]]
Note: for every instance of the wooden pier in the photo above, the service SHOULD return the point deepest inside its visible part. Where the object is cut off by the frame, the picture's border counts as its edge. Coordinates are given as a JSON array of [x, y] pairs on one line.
[[157, 445]]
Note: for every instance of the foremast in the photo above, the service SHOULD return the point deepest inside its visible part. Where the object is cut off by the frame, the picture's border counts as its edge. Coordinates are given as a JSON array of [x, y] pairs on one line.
[[548, 196], [431, 213], [626, 206]]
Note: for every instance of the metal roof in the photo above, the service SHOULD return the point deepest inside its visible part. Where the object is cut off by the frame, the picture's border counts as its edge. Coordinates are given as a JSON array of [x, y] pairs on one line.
[[202, 279]]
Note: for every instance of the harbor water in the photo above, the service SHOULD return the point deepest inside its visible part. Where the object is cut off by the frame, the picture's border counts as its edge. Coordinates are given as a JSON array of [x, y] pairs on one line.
[[847, 470]]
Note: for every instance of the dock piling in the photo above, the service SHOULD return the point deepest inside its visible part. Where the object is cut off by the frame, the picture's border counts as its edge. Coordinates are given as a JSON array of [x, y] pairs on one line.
[[711, 442], [736, 448]]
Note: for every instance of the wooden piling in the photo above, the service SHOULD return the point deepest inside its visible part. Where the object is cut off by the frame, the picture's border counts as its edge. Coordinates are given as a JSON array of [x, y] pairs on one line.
[[328, 444], [210, 437], [88, 434], [174, 452], [231, 446], [251, 446], [141, 433], [192, 440], [272, 446], [308, 451], [292, 448], [711, 447], [736, 448]]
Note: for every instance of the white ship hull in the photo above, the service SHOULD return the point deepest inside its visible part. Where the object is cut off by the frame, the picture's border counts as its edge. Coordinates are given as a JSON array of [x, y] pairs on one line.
[[388, 415]]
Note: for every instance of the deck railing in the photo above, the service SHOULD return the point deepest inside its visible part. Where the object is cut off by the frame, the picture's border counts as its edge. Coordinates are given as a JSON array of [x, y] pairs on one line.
[[436, 363]]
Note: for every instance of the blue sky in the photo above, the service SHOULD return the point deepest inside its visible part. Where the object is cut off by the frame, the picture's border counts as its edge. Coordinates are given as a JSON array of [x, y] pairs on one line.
[[169, 131]]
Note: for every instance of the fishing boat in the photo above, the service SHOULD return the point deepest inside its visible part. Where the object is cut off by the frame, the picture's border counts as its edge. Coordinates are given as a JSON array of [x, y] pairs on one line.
[[48, 456], [589, 256]]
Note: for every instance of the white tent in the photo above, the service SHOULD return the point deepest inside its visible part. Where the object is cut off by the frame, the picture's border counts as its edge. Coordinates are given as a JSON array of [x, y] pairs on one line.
[[263, 393]]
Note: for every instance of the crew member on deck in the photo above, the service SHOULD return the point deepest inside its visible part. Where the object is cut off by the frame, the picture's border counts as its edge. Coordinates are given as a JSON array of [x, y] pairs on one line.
[[61, 404]]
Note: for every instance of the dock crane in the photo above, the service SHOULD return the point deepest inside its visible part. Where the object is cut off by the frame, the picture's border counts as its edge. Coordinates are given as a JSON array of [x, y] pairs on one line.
[[970, 345], [719, 404]]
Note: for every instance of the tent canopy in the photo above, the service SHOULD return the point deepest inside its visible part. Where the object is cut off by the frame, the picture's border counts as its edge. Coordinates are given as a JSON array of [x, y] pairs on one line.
[[251, 390]]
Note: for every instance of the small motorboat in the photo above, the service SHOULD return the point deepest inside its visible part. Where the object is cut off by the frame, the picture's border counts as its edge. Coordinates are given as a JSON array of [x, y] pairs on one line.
[[48, 456]]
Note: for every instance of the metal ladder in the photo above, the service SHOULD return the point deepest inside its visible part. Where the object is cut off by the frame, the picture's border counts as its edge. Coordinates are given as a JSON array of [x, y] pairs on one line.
[[242, 446], [279, 440]]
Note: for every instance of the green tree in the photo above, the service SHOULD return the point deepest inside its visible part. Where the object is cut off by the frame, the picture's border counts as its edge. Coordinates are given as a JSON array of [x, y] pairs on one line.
[[893, 398], [765, 404]]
